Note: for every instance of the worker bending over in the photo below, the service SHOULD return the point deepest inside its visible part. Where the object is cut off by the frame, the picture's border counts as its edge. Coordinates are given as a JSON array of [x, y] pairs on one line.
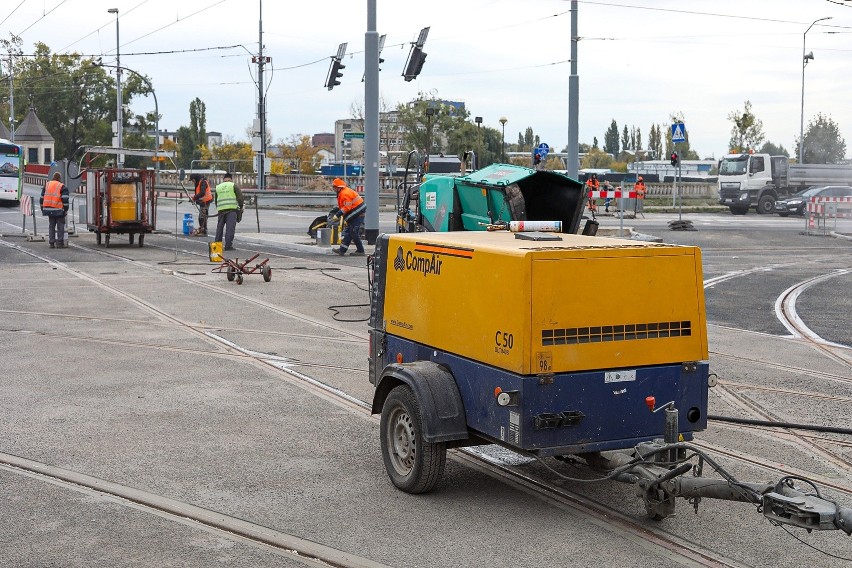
[[202, 198], [352, 207]]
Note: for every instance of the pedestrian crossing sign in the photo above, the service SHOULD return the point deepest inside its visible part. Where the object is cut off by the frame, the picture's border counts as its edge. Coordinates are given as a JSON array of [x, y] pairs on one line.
[[678, 132]]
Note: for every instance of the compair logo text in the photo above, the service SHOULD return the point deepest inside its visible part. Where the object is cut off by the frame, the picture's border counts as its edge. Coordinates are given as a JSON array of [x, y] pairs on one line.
[[425, 264]]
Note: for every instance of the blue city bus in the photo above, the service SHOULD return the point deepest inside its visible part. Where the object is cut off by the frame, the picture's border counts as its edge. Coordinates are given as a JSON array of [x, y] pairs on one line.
[[11, 171]]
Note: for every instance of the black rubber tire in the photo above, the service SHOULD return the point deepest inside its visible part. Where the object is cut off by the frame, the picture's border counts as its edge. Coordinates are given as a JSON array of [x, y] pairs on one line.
[[141, 239], [98, 237], [739, 210], [239, 278], [765, 205], [131, 237], [266, 271], [413, 464], [230, 275]]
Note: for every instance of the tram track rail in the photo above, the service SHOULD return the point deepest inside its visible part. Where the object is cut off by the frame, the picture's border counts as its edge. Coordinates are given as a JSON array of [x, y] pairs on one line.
[[841, 463], [785, 309]]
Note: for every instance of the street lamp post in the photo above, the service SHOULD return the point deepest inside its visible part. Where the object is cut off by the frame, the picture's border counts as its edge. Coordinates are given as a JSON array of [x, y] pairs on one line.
[[805, 59], [156, 111], [478, 121], [503, 121], [118, 113], [430, 112]]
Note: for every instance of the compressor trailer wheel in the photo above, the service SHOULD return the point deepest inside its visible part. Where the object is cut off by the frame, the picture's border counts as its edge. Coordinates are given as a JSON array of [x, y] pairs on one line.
[[413, 464]]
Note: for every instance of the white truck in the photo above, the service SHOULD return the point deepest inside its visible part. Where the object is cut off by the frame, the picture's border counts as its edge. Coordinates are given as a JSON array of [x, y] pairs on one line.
[[758, 180]]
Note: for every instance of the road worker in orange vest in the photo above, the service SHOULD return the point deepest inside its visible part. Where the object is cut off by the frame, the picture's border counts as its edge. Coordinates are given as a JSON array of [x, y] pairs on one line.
[[202, 198], [54, 206], [639, 188], [592, 184], [352, 207]]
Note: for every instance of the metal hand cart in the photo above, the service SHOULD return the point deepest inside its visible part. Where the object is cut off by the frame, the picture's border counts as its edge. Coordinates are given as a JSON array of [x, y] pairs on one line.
[[234, 269]]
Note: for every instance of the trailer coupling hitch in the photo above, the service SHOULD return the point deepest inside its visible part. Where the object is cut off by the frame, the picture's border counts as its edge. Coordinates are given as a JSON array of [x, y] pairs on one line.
[[809, 512]]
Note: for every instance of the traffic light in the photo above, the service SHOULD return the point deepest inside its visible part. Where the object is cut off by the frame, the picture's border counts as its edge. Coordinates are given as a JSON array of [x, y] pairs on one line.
[[334, 73], [675, 159], [416, 58]]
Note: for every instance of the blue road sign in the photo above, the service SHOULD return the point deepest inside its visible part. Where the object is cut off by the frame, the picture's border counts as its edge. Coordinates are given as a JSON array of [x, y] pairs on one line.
[[678, 132], [543, 150]]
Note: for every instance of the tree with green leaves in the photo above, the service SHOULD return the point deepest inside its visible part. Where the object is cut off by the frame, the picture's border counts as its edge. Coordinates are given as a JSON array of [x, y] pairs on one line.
[[298, 153], [73, 97], [227, 155], [611, 139], [823, 142], [198, 121], [747, 131], [485, 141], [625, 139], [773, 150], [191, 138], [596, 159], [423, 129], [655, 142]]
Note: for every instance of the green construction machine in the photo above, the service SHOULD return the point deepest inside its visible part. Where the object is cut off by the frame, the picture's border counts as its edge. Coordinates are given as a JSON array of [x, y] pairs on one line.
[[492, 197]]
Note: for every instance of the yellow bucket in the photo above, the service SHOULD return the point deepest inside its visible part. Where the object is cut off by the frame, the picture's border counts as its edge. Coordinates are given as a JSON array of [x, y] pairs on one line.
[[215, 249], [123, 201]]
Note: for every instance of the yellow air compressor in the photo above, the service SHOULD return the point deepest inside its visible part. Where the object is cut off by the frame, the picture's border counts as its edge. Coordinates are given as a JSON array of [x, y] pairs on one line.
[[546, 346]]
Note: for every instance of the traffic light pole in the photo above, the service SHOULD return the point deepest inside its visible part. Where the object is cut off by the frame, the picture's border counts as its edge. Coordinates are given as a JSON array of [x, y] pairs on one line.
[[573, 161], [261, 108], [371, 124], [679, 196], [675, 163]]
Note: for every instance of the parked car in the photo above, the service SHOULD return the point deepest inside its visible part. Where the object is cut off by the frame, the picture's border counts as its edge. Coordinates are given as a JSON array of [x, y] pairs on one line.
[[795, 204]]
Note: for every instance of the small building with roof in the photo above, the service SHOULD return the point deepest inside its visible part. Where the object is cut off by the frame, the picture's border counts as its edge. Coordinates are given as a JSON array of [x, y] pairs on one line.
[[4, 132], [36, 140]]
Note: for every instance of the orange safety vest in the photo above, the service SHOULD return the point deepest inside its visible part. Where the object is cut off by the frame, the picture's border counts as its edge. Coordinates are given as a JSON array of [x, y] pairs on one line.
[[350, 203], [592, 185], [207, 194], [639, 188], [53, 196]]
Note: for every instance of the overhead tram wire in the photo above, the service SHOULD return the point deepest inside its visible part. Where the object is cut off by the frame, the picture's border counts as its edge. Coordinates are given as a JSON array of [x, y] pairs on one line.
[[46, 14], [110, 23], [175, 22], [12, 12], [696, 13], [169, 52]]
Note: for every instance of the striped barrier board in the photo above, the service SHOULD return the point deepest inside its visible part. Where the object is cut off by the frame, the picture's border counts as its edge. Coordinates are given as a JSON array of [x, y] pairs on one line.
[[821, 208], [617, 194], [26, 205]]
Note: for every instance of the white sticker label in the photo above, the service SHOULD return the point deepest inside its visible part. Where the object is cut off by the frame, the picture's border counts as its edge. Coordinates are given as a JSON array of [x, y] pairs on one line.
[[431, 199], [619, 376], [514, 427]]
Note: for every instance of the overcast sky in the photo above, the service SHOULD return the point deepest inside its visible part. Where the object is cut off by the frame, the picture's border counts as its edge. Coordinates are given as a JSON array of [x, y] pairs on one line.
[[639, 60]]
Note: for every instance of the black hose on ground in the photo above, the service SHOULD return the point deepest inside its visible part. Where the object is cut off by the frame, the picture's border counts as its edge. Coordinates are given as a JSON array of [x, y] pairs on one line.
[[772, 424]]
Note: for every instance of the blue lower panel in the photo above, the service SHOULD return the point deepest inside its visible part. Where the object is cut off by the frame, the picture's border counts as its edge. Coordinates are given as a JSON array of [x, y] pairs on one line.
[[612, 404]]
